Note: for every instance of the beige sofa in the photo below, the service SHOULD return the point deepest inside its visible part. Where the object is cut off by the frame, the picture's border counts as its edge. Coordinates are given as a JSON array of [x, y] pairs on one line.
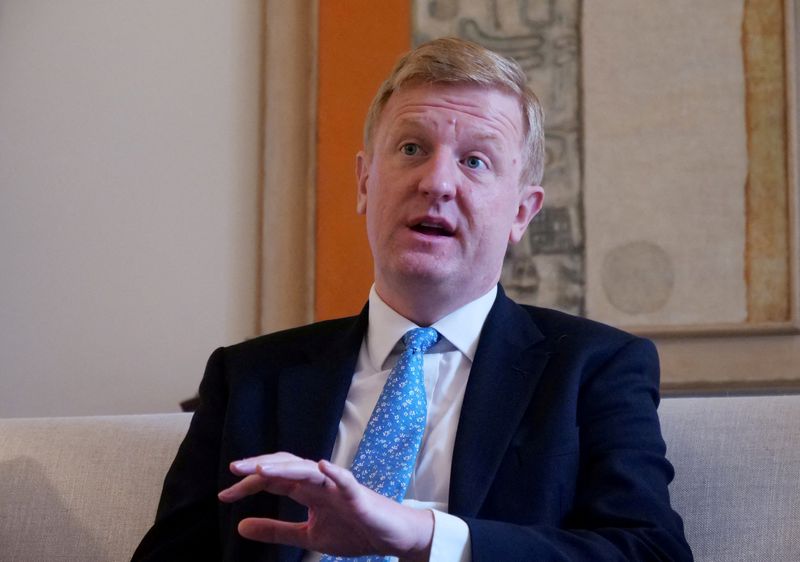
[[86, 488]]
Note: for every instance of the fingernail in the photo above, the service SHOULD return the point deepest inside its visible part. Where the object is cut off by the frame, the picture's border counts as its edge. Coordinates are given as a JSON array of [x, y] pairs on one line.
[[243, 466]]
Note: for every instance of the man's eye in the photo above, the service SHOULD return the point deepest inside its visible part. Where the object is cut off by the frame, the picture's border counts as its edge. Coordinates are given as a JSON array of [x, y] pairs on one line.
[[474, 162], [410, 149]]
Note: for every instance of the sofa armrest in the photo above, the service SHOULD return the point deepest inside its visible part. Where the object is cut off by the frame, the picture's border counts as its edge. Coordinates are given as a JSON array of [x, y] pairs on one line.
[[82, 488]]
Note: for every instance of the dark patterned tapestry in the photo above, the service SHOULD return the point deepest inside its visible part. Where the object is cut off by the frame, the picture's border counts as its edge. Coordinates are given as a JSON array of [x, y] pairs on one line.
[[547, 267]]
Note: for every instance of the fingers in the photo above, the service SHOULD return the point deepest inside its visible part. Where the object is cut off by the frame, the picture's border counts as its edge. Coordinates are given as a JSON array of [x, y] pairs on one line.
[[247, 466], [345, 517], [299, 479], [273, 531], [340, 478], [245, 487], [297, 471]]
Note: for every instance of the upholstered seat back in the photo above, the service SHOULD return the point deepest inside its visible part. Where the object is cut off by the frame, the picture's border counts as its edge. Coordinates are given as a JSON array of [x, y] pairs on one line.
[[737, 483], [87, 488]]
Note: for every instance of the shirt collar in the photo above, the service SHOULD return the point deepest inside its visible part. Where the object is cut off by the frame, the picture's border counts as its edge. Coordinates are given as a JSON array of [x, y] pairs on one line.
[[461, 328]]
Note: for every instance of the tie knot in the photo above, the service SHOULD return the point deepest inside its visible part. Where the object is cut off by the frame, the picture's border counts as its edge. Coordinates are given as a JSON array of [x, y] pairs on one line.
[[419, 340]]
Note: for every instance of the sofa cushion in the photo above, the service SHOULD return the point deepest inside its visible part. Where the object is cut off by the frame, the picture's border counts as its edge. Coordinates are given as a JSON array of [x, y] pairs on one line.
[[737, 483]]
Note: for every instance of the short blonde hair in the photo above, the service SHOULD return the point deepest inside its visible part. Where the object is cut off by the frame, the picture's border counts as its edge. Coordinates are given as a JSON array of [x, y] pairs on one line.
[[450, 60]]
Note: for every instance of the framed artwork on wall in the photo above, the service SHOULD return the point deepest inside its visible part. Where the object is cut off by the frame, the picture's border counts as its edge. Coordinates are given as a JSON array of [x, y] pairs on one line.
[[671, 157]]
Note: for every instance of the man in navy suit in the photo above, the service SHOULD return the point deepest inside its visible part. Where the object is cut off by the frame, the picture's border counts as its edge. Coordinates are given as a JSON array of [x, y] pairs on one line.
[[542, 439]]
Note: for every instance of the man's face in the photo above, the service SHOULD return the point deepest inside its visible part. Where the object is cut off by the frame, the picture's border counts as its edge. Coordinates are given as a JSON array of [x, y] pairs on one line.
[[441, 190]]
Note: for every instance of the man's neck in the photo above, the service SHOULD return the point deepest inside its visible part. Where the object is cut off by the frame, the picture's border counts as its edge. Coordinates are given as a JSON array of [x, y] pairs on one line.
[[426, 306]]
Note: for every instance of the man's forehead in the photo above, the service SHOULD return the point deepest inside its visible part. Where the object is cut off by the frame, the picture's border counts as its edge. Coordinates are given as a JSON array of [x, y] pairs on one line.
[[462, 93], [494, 108], [413, 123]]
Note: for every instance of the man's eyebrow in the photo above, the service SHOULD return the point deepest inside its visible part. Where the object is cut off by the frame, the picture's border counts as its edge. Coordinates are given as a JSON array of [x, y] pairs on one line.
[[415, 122], [489, 136], [420, 122], [410, 124], [492, 139]]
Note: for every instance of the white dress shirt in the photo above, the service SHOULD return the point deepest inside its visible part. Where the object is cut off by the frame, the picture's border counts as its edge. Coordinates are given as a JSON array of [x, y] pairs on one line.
[[446, 365]]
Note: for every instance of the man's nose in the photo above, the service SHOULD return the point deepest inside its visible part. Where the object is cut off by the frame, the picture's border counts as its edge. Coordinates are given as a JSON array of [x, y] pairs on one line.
[[440, 176]]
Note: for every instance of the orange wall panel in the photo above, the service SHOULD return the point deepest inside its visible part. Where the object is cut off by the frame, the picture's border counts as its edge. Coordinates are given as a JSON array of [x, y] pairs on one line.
[[359, 42]]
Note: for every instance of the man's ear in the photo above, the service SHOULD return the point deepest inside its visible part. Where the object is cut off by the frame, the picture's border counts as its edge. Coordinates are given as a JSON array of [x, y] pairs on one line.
[[362, 173], [531, 198]]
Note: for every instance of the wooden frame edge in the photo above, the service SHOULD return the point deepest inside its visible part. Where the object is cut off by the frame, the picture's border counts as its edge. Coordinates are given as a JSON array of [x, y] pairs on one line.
[[792, 324]]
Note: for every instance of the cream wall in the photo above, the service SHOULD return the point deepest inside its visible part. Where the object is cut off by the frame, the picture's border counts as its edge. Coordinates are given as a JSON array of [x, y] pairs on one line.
[[129, 179], [129, 202]]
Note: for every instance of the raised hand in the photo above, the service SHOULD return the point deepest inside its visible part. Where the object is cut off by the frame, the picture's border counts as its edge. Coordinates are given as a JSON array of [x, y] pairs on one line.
[[344, 517]]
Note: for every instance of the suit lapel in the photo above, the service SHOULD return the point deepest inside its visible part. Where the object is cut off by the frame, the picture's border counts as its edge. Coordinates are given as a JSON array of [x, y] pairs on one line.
[[507, 367], [311, 399]]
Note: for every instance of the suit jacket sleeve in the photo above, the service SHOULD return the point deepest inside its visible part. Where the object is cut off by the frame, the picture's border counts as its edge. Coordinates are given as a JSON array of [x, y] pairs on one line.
[[284, 391], [605, 479], [186, 526]]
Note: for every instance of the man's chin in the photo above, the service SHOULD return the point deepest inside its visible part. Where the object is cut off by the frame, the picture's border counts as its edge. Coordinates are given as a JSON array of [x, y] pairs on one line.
[[424, 277], [422, 274], [422, 267]]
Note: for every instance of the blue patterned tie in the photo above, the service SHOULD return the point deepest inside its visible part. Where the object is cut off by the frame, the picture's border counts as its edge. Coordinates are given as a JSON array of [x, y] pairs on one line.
[[387, 454]]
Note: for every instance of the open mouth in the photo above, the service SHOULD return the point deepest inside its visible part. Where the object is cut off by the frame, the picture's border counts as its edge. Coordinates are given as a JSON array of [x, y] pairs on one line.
[[432, 229]]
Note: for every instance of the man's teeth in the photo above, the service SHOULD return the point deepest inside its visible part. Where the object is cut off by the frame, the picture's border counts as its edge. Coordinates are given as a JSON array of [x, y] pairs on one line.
[[432, 228]]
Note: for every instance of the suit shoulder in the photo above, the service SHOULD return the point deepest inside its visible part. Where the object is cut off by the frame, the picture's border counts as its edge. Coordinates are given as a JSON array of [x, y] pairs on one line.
[[558, 325], [597, 347], [315, 336]]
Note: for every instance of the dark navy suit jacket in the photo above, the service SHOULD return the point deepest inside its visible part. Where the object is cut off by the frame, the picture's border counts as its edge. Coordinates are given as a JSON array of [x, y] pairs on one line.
[[558, 453]]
